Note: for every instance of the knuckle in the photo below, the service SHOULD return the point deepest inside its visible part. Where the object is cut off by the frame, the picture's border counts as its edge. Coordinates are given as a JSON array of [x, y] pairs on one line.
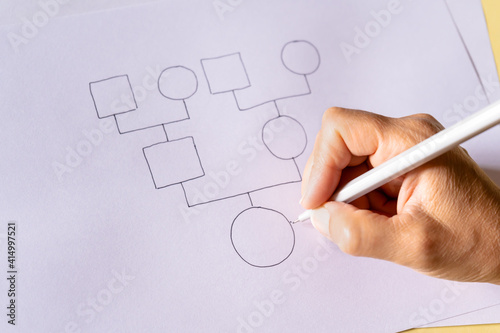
[[331, 114], [426, 249], [427, 124], [380, 123], [347, 117], [352, 242], [416, 128], [464, 151], [424, 116]]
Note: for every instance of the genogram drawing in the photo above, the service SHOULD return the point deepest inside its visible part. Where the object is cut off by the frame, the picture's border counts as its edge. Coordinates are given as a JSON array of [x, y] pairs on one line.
[[225, 74]]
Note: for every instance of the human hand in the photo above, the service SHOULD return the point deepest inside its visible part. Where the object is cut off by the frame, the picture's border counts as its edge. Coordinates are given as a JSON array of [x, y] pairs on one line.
[[441, 219]]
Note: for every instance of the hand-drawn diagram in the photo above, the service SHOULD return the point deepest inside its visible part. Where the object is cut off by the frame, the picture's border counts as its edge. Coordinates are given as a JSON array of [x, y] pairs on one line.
[[225, 74]]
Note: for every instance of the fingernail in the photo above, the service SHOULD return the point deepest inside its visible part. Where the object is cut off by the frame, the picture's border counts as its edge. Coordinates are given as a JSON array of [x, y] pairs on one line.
[[320, 219]]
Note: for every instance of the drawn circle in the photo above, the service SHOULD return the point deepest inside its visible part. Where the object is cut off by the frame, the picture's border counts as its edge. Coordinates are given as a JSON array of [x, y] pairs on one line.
[[262, 237], [300, 57], [177, 83], [284, 137]]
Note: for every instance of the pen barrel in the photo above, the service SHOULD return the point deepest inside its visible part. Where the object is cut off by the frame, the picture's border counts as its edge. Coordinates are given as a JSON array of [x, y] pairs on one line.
[[418, 155]]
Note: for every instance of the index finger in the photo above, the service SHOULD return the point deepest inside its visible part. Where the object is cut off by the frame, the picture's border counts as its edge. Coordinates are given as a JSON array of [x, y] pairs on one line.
[[346, 136]]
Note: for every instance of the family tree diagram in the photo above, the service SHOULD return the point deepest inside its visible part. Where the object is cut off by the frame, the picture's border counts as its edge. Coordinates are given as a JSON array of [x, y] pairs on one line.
[[177, 162]]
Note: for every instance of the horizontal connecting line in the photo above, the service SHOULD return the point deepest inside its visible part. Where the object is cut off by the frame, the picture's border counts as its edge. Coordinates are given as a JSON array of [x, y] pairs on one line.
[[235, 195], [153, 126], [272, 100], [148, 127], [243, 193]]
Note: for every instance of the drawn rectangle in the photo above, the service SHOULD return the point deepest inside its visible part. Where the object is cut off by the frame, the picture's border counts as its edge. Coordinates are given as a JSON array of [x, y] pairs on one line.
[[225, 73], [173, 162], [112, 96]]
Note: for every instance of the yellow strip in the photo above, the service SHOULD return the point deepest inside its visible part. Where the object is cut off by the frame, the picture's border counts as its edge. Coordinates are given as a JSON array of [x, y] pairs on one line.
[[459, 329], [492, 13]]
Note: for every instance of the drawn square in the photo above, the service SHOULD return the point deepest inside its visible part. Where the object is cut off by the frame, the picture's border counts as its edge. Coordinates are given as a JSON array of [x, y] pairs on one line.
[[112, 96], [173, 162], [225, 73]]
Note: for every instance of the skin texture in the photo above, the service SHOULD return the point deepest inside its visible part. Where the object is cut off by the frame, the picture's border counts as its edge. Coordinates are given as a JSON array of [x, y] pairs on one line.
[[441, 219]]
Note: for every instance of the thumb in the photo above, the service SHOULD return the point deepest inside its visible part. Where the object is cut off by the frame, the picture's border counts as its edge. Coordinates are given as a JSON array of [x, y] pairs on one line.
[[356, 231]]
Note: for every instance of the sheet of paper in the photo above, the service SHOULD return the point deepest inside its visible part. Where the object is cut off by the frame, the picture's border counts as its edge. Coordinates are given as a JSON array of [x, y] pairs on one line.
[[99, 188]]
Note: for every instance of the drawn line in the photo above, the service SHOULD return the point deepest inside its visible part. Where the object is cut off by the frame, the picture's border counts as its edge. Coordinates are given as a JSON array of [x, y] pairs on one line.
[[236, 195], [173, 98], [165, 131], [114, 115], [270, 101], [215, 200], [277, 108], [149, 166], [159, 143], [148, 127], [309, 91], [185, 195], [250, 198], [301, 41], [276, 185], [186, 108], [308, 86], [239, 254], [220, 57], [109, 78], [268, 148], [298, 170]]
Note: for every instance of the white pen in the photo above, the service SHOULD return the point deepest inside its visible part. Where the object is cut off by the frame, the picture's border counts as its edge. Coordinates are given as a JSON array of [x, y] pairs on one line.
[[414, 157]]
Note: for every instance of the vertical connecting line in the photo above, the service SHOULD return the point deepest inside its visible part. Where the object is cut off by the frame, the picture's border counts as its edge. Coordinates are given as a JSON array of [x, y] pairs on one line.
[[185, 195], [298, 170], [277, 108], [117, 126], [250, 198], [236, 100], [165, 131], [186, 108], [307, 82]]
